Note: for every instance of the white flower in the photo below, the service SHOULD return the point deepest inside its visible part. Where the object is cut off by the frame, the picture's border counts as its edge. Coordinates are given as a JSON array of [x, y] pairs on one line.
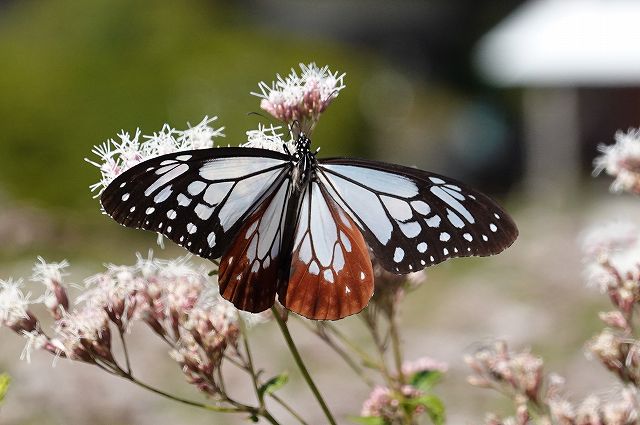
[[612, 252], [301, 97], [269, 138], [621, 160], [49, 274], [116, 157], [13, 302], [35, 341]]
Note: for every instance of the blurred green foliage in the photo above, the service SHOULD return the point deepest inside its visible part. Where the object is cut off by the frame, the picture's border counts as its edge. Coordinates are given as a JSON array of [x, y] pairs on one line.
[[4, 385], [75, 73]]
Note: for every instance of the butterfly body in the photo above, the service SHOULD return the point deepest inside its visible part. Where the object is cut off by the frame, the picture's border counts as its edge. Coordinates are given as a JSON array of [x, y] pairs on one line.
[[301, 228]]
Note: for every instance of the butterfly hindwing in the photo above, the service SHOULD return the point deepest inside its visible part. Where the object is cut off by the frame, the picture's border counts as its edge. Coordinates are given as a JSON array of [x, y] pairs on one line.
[[196, 198], [412, 218], [331, 275], [248, 274]]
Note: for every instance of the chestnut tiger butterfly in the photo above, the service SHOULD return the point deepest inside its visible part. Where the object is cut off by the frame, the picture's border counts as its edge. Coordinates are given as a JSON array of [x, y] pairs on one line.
[[301, 228]]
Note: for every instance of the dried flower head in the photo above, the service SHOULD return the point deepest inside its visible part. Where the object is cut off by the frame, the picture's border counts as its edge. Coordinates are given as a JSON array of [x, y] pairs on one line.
[[116, 157], [520, 373], [423, 364], [393, 406], [51, 276], [14, 303], [622, 161], [612, 257], [301, 98]]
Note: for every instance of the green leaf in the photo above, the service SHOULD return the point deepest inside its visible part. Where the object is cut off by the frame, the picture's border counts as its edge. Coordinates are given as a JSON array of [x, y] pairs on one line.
[[4, 385], [273, 384], [425, 380], [434, 406], [367, 420]]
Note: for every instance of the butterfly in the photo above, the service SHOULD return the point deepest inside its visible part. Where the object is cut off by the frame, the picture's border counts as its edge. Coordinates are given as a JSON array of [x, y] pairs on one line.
[[290, 225]]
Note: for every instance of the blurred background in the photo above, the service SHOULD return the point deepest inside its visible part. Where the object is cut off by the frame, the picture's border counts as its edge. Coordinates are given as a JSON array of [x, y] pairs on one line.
[[512, 97]]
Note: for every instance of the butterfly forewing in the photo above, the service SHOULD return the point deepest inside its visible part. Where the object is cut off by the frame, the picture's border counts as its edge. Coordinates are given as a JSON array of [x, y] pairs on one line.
[[199, 198], [331, 275], [412, 218], [248, 275]]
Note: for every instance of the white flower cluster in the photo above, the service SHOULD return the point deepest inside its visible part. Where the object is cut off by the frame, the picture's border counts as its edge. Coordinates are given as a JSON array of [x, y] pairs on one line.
[[269, 138], [301, 97], [612, 255], [14, 303], [116, 157], [622, 160], [173, 297]]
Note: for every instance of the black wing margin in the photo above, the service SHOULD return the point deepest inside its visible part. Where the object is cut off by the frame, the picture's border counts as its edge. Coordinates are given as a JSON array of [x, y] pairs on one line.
[[197, 198], [412, 218]]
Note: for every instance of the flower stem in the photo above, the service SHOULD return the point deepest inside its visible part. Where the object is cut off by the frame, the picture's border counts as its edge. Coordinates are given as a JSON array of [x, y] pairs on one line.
[[126, 351], [301, 366], [252, 371], [288, 408], [183, 400], [396, 346]]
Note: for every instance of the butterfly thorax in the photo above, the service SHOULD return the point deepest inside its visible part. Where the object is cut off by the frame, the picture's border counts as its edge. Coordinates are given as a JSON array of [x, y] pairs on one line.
[[304, 160]]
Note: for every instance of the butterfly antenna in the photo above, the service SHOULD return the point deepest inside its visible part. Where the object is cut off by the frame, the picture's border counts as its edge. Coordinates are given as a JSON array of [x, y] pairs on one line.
[[271, 120]]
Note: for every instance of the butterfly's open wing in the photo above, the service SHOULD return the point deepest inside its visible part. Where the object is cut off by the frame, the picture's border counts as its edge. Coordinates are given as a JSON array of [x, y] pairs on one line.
[[412, 218], [198, 198], [331, 275], [248, 275]]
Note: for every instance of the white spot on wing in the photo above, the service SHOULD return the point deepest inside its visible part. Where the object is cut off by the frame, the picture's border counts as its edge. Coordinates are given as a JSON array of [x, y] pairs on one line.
[[453, 203], [211, 239], [411, 229], [436, 180], [398, 255], [454, 219], [183, 201], [433, 221], [324, 232], [171, 214], [328, 275], [314, 269], [216, 192], [345, 241], [167, 177], [398, 209], [468, 237], [493, 227], [192, 228], [149, 210], [421, 207], [196, 187], [163, 195], [125, 196], [377, 180], [233, 168], [444, 236], [203, 211], [422, 247]]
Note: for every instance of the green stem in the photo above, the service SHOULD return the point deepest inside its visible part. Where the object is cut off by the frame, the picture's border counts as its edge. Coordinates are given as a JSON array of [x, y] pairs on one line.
[[288, 408], [301, 366], [252, 371], [184, 400], [126, 351], [397, 347], [323, 335]]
